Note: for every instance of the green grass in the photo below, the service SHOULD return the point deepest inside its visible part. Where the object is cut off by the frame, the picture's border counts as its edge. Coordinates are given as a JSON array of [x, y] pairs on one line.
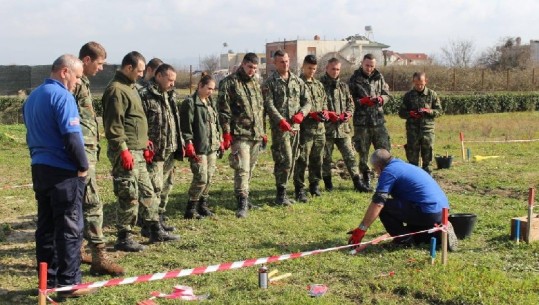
[[488, 269]]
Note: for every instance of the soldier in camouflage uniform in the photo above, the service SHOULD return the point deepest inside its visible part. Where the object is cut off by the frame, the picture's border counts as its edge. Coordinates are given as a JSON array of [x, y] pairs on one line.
[[340, 107], [149, 72], [419, 107], [241, 112], [285, 101], [164, 131], [312, 133], [92, 55], [129, 149], [202, 133], [370, 92]]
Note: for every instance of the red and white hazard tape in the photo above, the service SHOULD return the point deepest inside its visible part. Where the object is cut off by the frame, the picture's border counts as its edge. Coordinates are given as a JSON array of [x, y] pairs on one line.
[[227, 266]]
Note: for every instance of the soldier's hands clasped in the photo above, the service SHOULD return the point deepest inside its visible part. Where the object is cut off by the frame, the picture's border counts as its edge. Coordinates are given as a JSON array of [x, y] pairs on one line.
[[284, 126], [333, 117]]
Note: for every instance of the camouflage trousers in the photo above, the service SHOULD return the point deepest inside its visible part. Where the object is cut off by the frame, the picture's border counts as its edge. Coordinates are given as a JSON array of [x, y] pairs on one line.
[[281, 151], [242, 159], [310, 157], [92, 207], [130, 187], [364, 136], [419, 142], [203, 171], [162, 176], [347, 151]]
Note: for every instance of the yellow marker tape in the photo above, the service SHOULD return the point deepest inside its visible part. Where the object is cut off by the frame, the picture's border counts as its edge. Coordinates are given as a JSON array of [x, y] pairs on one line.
[[272, 273], [280, 277]]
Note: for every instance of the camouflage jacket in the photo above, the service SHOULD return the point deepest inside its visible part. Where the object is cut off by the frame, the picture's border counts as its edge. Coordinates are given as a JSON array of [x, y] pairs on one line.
[[414, 100], [163, 119], [88, 118], [123, 116], [339, 100], [200, 124], [284, 98], [317, 96], [240, 106], [371, 86]]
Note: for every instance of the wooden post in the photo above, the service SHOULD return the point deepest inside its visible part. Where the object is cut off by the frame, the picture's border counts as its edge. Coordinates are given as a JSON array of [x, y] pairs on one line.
[[42, 297], [531, 200], [190, 79], [454, 79], [533, 76], [445, 221], [462, 145]]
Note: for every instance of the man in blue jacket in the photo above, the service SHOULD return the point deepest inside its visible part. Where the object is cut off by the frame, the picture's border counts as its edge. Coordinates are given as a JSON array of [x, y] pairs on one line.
[[59, 168], [405, 194]]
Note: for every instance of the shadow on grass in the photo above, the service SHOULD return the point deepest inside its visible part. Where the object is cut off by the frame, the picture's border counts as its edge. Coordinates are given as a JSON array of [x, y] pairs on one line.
[[19, 297]]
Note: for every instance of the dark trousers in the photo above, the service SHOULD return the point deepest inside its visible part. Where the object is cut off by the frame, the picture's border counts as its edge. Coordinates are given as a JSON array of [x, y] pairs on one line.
[[59, 194], [396, 213]]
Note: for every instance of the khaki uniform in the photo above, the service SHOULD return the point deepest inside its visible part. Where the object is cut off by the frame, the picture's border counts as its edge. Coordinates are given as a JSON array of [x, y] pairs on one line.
[[282, 100], [126, 127], [92, 206], [420, 131], [241, 113]]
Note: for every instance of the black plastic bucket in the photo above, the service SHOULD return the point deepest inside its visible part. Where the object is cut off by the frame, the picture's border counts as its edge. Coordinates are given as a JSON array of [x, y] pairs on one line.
[[463, 224], [443, 161]]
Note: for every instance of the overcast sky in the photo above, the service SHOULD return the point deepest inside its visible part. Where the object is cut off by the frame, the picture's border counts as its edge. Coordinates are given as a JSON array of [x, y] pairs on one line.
[[182, 31]]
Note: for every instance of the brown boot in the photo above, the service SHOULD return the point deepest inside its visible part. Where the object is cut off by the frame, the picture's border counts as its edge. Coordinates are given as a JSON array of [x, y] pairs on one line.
[[101, 265], [84, 256]]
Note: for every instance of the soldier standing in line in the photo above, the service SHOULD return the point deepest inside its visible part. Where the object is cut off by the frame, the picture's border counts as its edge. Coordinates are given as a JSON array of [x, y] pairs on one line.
[[149, 72], [93, 56], [129, 149], [340, 107], [419, 107], [202, 133], [240, 105], [285, 102], [370, 91], [312, 133], [164, 132]]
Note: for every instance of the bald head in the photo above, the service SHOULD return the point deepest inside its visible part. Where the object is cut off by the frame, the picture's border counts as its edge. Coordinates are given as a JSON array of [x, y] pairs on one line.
[[380, 158], [67, 69], [66, 61]]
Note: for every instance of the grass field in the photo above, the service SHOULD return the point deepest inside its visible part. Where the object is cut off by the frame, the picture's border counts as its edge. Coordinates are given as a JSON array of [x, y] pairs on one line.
[[489, 268]]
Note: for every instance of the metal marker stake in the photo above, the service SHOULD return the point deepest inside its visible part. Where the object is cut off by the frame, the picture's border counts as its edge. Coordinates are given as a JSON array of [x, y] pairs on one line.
[[517, 231], [432, 250]]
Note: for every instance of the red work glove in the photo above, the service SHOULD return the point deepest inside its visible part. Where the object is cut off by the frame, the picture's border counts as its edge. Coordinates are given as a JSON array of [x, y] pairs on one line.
[[297, 118], [345, 116], [333, 117], [149, 152], [325, 115], [366, 101], [415, 114], [227, 140], [314, 116], [265, 140], [357, 236], [425, 110], [378, 99], [127, 160], [283, 124], [190, 151]]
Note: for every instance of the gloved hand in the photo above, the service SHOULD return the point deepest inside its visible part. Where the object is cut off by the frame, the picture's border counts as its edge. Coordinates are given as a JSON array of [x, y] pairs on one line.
[[297, 118], [378, 100], [283, 124], [314, 116], [414, 114], [227, 140], [333, 117], [190, 151], [366, 101], [345, 116], [264, 140], [425, 110], [149, 152], [127, 159], [357, 236], [325, 115]]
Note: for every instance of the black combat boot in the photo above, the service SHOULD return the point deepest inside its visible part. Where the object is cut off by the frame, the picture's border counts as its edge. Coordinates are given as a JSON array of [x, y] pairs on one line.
[[281, 198], [164, 224], [358, 185], [367, 180], [243, 206], [314, 189], [126, 243], [202, 207], [157, 234], [426, 167], [300, 194], [328, 184], [190, 210]]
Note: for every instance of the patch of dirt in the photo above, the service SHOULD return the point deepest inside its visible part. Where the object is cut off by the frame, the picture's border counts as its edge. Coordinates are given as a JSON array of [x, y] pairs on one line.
[[459, 188]]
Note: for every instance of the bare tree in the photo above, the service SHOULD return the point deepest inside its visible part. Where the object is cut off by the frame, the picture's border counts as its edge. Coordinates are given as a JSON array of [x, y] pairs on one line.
[[507, 54], [458, 53], [210, 63]]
